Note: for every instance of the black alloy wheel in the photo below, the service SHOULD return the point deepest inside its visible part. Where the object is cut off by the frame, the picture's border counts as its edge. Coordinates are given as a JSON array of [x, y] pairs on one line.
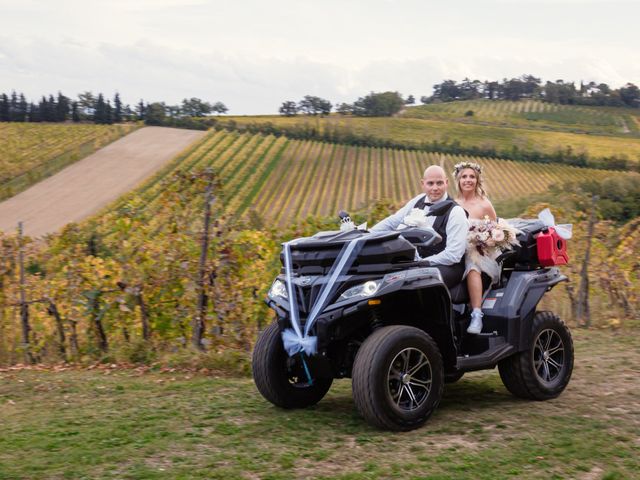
[[282, 379], [398, 378], [543, 370]]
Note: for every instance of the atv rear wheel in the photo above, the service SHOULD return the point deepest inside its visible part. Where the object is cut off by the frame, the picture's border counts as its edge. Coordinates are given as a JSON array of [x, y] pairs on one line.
[[398, 378], [543, 370], [283, 380]]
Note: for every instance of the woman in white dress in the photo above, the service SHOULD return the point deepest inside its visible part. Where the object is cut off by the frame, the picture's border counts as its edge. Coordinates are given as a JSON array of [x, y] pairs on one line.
[[473, 198]]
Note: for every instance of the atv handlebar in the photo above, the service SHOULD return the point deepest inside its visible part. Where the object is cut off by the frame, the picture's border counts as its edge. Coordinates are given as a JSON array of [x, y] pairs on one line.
[[421, 236]]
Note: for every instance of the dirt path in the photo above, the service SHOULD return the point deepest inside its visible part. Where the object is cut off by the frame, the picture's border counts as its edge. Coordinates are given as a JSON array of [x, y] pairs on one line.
[[88, 185]]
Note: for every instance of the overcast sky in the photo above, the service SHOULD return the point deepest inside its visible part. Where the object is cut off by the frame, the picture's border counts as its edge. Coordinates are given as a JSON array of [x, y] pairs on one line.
[[254, 54]]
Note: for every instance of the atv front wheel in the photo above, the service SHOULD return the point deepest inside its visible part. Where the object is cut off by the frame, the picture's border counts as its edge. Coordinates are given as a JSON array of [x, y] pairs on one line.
[[283, 380], [398, 378], [543, 370]]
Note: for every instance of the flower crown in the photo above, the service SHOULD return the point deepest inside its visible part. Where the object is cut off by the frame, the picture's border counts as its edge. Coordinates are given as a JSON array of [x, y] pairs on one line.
[[458, 167]]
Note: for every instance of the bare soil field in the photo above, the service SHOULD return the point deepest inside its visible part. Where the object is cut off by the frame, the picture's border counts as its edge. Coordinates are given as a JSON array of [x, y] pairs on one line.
[[88, 185]]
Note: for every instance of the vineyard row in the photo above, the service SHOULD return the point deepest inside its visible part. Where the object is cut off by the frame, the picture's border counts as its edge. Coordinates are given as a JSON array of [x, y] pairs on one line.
[[283, 179]]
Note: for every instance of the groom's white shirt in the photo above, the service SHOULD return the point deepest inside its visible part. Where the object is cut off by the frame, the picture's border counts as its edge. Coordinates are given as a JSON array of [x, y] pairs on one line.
[[457, 229]]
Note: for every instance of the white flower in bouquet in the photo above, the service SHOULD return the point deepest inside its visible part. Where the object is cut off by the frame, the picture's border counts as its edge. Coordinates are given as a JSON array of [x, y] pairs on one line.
[[497, 234], [483, 236], [416, 218]]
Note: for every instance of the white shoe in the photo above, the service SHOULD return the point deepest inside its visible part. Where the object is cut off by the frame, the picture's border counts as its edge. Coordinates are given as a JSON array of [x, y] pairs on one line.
[[475, 326]]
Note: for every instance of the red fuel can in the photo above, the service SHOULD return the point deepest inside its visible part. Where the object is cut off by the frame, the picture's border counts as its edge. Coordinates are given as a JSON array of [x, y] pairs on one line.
[[552, 249]]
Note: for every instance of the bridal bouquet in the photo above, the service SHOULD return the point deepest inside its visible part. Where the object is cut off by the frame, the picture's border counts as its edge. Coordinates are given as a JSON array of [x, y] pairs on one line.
[[487, 237], [486, 240]]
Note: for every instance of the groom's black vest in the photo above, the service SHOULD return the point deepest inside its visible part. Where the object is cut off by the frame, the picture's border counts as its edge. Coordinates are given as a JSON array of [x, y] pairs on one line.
[[441, 211]]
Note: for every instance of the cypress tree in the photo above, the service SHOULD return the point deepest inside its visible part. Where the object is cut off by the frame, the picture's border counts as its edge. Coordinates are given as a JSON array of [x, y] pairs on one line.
[[62, 108], [108, 113], [117, 111], [99, 116], [75, 112], [51, 104], [22, 109], [13, 107], [4, 108], [34, 113], [43, 107]]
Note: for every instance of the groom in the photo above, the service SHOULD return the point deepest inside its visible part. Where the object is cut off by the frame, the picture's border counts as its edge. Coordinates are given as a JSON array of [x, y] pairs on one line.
[[446, 217]]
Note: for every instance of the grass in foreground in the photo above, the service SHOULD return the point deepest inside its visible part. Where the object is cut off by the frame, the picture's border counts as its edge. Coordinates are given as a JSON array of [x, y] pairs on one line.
[[124, 424]]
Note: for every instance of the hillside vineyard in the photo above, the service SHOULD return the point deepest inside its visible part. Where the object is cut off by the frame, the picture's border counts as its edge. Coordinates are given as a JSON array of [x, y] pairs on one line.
[[283, 179], [33, 151], [535, 114]]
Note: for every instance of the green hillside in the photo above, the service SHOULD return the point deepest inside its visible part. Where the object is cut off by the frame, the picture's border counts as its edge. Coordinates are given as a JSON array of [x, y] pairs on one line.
[[534, 114], [504, 141]]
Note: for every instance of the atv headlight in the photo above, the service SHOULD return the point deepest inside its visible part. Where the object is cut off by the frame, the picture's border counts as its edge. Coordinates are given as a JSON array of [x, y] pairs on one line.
[[278, 289], [365, 289]]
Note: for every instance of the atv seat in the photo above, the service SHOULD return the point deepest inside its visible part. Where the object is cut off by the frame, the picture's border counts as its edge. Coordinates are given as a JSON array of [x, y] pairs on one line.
[[460, 293]]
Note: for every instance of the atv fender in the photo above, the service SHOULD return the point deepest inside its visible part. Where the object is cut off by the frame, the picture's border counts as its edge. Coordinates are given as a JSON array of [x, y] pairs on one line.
[[518, 301], [433, 296]]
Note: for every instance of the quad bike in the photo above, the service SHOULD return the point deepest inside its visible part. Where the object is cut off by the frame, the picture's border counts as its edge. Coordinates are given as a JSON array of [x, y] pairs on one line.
[[390, 323]]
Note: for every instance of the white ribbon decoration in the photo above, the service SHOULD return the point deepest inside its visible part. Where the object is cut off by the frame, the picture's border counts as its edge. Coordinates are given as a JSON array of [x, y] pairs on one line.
[[293, 339], [349, 225], [564, 231], [293, 304]]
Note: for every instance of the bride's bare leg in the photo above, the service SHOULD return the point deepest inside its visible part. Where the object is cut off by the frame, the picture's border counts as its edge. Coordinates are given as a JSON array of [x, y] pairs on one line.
[[474, 284]]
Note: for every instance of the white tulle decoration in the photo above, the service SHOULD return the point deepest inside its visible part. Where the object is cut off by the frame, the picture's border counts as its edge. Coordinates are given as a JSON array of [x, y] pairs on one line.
[[347, 225], [416, 218], [564, 230], [294, 343]]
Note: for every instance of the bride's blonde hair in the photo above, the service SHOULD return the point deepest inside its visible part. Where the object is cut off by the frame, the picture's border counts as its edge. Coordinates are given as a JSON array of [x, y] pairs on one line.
[[457, 171]]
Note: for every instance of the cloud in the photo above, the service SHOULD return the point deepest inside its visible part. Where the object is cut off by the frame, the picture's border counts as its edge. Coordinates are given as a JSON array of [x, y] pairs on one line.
[[153, 72], [253, 55], [259, 83]]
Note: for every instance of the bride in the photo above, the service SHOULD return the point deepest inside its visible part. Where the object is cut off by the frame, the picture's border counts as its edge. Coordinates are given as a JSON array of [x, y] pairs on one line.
[[473, 198]]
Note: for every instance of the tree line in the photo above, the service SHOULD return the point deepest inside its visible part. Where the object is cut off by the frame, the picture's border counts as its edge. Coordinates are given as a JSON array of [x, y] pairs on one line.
[[531, 87], [383, 104], [386, 104], [91, 108]]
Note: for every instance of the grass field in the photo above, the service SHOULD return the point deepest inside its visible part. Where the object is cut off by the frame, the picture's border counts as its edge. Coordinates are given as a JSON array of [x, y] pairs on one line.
[[414, 131], [126, 424], [534, 114], [33, 151]]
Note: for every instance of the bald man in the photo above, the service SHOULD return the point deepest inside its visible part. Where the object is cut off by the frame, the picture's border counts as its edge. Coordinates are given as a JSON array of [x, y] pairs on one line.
[[446, 217]]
